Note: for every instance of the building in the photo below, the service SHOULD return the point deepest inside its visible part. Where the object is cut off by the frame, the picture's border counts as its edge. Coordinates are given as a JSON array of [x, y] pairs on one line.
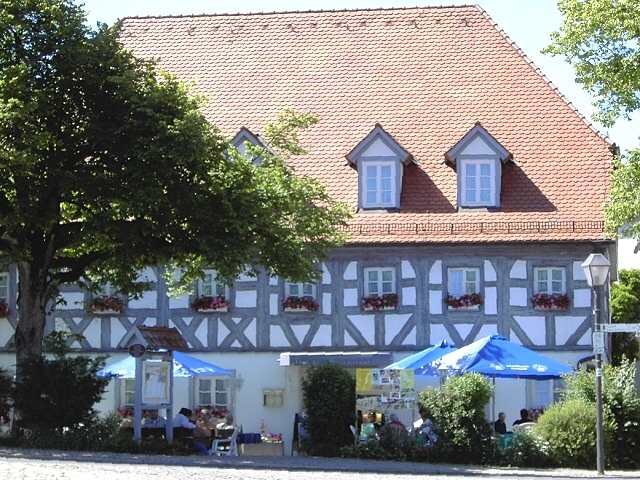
[[475, 186]]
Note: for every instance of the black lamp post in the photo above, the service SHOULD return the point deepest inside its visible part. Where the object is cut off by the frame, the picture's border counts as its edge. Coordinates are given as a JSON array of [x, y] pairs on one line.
[[596, 269]]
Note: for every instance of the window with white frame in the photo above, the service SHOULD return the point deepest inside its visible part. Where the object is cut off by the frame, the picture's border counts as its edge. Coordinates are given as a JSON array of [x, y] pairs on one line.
[[550, 280], [107, 290], [379, 185], [379, 281], [129, 392], [213, 392], [463, 281], [478, 182], [4, 287], [300, 290], [210, 286]]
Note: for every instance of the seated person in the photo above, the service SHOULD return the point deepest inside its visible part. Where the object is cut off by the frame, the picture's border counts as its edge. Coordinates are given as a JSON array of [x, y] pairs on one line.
[[183, 419], [499, 426], [153, 420], [368, 429], [524, 417], [423, 429], [226, 428]]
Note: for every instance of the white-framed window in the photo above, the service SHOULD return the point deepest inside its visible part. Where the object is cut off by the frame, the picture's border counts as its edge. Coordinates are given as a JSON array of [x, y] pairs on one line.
[[550, 280], [213, 392], [379, 281], [300, 290], [463, 281], [478, 181], [4, 286], [379, 184], [106, 290], [210, 286], [273, 397], [128, 392]]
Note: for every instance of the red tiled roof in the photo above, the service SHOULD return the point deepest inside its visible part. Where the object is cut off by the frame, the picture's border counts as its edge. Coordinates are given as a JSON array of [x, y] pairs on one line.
[[427, 75]]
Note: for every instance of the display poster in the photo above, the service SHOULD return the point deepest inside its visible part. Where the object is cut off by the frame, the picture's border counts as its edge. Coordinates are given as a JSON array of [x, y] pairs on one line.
[[155, 382]]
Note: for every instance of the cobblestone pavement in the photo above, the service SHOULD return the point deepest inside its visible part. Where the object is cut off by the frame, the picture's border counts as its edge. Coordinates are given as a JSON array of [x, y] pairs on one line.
[[37, 465]]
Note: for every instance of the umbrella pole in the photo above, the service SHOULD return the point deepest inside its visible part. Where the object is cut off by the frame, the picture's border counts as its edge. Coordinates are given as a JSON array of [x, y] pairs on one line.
[[493, 400]]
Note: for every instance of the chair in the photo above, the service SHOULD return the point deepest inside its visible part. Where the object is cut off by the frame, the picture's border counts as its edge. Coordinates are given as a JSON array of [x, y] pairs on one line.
[[226, 447]]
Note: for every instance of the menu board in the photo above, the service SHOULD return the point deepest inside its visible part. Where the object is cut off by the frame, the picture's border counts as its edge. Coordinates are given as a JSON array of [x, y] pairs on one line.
[[390, 386]]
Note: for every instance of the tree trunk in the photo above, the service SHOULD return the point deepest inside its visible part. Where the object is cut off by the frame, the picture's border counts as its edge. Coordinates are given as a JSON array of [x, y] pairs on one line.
[[31, 314]]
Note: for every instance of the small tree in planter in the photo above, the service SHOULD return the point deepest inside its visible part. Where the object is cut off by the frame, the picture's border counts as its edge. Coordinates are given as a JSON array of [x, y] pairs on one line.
[[300, 304], [553, 301], [210, 304], [388, 301]]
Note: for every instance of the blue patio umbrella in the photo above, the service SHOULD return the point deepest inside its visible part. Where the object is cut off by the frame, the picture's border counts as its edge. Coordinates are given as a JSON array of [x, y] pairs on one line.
[[495, 356], [183, 366], [422, 362]]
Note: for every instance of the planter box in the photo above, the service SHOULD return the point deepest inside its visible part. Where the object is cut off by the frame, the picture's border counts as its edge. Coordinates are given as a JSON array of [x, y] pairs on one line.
[[463, 309], [106, 312], [298, 310], [212, 310], [550, 309], [373, 309]]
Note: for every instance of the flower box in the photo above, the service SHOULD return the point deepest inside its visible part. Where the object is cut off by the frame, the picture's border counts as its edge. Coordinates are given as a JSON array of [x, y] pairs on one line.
[[210, 304], [470, 301], [388, 301], [548, 302], [106, 305], [299, 304]]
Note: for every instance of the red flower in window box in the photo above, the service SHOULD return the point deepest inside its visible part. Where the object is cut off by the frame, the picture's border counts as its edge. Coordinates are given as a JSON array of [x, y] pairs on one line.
[[548, 301], [467, 301], [4, 308], [388, 301], [106, 305], [299, 304], [125, 412], [210, 304]]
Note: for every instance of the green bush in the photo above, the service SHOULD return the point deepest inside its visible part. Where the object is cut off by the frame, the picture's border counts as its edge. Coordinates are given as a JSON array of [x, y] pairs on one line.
[[329, 402], [6, 385], [457, 411], [394, 439], [59, 393], [569, 428], [621, 401], [526, 449], [371, 450], [625, 308]]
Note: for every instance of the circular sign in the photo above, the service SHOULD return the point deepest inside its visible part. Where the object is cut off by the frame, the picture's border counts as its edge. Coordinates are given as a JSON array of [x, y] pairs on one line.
[[137, 350]]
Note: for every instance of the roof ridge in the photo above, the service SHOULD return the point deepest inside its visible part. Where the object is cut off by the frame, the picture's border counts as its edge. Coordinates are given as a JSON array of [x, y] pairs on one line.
[[290, 12], [546, 79]]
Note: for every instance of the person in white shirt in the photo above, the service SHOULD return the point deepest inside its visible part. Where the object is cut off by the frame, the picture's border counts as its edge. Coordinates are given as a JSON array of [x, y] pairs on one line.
[[153, 420], [182, 419]]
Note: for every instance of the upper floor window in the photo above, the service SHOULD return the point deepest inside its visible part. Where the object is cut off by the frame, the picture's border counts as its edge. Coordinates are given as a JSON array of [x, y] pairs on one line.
[[379, 281], [550, 280], [463, 281], [4, 286], [478, 158], [379, 184], [213, 392], [300, 290], [107, 290], [379, 159], [244, 138], [210, 286]]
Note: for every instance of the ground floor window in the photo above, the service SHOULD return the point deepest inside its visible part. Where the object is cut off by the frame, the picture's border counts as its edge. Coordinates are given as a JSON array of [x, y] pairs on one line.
[[213, 392]]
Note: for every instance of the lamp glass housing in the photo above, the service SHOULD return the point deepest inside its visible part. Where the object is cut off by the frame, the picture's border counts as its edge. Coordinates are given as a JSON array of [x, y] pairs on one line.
[[596, 269]]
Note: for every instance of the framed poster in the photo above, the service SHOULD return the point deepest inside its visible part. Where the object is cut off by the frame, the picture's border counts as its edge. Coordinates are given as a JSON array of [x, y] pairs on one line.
[[155, 382]]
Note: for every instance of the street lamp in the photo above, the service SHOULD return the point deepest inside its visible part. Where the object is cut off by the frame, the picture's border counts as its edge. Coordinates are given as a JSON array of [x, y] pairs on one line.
[[596, 269]]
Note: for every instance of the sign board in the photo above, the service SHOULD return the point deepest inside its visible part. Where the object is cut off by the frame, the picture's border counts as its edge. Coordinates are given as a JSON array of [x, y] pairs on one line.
[[622, 328], [598, 342], [137, 350]]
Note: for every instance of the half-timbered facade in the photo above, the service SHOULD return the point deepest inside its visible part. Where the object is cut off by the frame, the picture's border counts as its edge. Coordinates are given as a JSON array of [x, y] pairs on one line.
[[477, 191]]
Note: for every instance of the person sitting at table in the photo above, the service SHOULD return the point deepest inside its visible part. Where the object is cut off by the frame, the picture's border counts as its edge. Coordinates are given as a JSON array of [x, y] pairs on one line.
[[183, 419], [499, 426], [153, 420], [225, 429], [524, 417], [368, 429], [423, 429]]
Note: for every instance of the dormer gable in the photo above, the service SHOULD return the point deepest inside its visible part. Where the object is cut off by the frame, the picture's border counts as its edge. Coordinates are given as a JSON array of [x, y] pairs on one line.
[[243, 137], [478, 159], [379, 160]]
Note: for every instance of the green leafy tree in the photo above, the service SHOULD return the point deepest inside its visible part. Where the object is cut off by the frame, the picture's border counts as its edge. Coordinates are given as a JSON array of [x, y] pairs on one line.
[[625, 308], [107, 166]]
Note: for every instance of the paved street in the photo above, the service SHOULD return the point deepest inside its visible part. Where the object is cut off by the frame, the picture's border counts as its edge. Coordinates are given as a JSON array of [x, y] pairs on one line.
[[37, 465]]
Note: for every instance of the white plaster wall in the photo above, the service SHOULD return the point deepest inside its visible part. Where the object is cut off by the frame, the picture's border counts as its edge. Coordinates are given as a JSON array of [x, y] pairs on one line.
[[407, 269], [246, 298], [519, 270], [322, 338], [439, 333], [326, 303], [518, 297], [273, 304], [393, 323], [489, 272], [477, 146], [378, 148], [534, 327], [6, 331], [408, 295], [72, 301], [578, 272], [435, 273], [326, 275], [148, 299], [581, 297], [491, 300], [351, 272], [179, 302], [365, 325], [565, 327], [435, 302], [277, 337], [627, 258], [92, 333], [350, 297]]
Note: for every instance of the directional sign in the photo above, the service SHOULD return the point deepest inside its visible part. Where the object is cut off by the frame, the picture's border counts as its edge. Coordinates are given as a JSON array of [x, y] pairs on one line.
[[621, 327], [598, 342]]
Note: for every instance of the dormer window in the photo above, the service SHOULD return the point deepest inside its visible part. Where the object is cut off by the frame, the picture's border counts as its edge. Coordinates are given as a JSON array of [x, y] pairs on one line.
[[478, 158], [380, 161], [245, 137]]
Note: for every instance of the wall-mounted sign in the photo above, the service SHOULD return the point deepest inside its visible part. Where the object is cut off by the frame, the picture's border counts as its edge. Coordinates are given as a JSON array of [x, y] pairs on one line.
[[137, 350], [155, 382]]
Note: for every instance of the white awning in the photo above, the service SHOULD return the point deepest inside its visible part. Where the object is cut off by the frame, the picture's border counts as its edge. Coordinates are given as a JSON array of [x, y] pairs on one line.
[[346, 359]]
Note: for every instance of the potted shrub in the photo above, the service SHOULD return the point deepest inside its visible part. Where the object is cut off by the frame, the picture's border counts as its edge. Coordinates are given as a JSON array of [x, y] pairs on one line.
[[106, 305], [547, 301], [207, 304], [469, 301], [299, 304], [4, 309], [388, 301]]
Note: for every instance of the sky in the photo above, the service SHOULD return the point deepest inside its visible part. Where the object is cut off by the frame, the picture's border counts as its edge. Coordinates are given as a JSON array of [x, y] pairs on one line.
[[528, 23]]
